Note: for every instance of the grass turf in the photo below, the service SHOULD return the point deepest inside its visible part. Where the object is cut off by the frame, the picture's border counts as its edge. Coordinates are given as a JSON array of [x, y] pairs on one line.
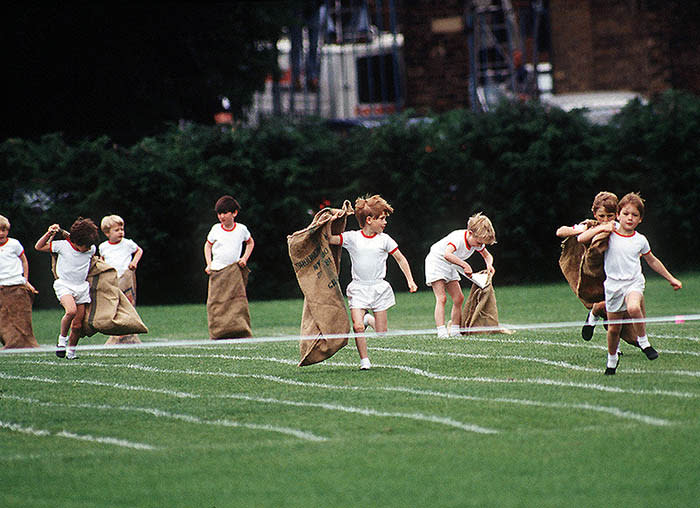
[[488, 420]]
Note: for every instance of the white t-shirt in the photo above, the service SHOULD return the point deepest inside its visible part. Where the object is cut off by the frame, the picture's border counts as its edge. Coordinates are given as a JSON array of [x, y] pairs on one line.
[[458, 239], [11, 270], [118, 255], [622, 258], [72, 266], [226, 244], [368, 254]]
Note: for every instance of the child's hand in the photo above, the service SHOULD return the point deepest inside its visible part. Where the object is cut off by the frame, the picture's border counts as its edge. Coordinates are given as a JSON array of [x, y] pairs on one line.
[[242, 263], [490, 270], [31, 288], [132, 266], [675, 283], [53, 229], [412, 287], [467, 269], [208, 269]]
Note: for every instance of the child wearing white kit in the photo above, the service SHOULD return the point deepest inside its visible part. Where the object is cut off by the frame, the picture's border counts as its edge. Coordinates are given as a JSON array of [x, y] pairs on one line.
[[120, 253], [71, 287], [369, 249], [624, 281], [447, 257]]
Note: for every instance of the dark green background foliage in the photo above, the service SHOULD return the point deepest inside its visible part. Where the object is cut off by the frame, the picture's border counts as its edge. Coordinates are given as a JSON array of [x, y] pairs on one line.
[[528, 168]]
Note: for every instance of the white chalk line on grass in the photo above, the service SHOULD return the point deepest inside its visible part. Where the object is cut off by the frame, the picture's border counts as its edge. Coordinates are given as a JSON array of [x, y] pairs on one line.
[[157, 342], [347, 409], [266, 377], [545, 361], [14, 427], [158, 413]]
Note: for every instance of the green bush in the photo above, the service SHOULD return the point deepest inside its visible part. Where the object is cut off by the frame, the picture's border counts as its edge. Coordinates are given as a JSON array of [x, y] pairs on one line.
[[529, 168]]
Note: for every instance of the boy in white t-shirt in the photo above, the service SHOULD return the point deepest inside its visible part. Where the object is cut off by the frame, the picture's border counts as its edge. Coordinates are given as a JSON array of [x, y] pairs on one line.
[[447, 260], [369, 249], [15, 290], [624, 281], [71, 287], [123, 255]]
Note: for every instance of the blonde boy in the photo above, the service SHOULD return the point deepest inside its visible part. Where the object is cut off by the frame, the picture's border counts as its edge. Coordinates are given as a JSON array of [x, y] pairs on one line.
[[369, 249], [15, 290], [624, 281], [447, 259]]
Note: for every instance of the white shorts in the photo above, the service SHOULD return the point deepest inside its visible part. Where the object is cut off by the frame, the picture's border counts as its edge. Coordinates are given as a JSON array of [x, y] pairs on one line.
[[617, 290], [81, 292], [439, 269], [376, 296]]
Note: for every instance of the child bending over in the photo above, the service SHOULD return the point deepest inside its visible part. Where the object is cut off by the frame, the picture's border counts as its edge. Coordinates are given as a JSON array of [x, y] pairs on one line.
[[447, 257], [369, 249]]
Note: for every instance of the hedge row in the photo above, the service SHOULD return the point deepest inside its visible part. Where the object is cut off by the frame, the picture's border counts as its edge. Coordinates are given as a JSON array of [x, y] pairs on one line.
[[528, 168]]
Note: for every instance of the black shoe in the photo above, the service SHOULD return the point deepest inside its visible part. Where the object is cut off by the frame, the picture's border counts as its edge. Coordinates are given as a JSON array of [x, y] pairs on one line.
[[587, 331], [650, 352], [610, 371], [60, 350]]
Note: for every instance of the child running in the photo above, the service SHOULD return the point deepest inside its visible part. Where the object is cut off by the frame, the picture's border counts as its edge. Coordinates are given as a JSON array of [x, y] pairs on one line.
[[624, 281], [71, 286], [604, 210], [369, 249], [447, 258]]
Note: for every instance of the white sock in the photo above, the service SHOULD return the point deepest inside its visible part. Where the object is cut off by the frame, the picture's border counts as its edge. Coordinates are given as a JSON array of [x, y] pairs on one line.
[[591, 318], [365, 363], [442, 331], [643, 342], [454, 330], [62, 341], [70, 352], [612, 360]]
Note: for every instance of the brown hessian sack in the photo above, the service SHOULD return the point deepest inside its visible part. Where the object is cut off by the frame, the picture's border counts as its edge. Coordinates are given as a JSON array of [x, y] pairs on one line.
[[316, 265], [228, 316], [480, 310], [16, 317], [109, 311], [582, 266], [127, 285]]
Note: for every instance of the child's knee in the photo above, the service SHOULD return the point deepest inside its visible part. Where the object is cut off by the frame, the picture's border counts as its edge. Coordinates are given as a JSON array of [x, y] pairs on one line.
[[358, 328], [441, 299], [458, 299]]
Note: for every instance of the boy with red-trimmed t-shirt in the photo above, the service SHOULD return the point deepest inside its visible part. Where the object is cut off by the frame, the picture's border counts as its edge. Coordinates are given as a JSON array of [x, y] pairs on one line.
[[369, 249], [624, 281]]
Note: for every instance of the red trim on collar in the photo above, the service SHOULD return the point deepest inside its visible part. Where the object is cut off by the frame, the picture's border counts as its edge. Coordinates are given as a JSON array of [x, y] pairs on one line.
[[625, 236], [229, 230], [6, 240], [367, 236]]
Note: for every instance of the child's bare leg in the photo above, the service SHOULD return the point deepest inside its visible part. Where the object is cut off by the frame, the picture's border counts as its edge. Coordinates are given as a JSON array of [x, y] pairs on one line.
[[76, 325], [440, 301], [68, 303], [598, 310], [359, 328], [381, 321], [613, 336], [455, 292], [636, 310]]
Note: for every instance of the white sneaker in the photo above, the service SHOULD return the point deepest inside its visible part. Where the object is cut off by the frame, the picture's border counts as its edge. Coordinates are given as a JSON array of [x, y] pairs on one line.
[[61, 346], [442, 332], [70, 353], [365, 364], [367, 320]]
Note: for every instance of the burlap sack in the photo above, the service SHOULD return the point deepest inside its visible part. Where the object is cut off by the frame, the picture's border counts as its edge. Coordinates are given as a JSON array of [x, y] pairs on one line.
[[582, 266], [316, 265], [109, 311], [480, 310], [127, 285], [228, 316], [16, 317]]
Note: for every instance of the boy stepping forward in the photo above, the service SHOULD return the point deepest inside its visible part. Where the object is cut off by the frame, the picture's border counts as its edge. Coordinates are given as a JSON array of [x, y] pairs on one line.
[[123, 255], [624, 281], [447, 257], [15, 292], [71, 287], [369, 249]]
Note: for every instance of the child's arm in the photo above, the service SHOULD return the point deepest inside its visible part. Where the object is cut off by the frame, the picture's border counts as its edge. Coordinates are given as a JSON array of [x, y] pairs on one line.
[[659, 268], [588, 235], [207, 257], [406, 269], [249, 244], [135, 259], [567, 231], [43, 244], [25, 272], [488, 258], [335, 239], [451, 258]]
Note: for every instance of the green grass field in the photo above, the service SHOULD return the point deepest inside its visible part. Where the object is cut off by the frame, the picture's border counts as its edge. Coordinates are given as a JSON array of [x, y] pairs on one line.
[[487, 420]]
